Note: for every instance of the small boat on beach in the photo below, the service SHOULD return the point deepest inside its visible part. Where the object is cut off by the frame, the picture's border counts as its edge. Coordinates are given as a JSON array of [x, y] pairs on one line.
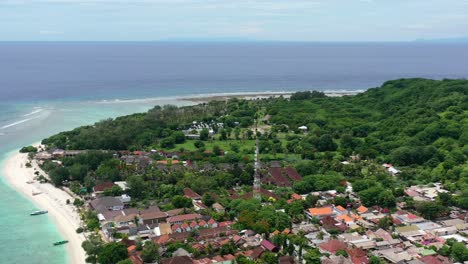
[[39, 212], [60, 242]]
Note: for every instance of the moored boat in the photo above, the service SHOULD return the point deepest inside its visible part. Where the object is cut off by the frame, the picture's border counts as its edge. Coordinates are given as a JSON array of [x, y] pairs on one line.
[[60, 242], [39, 212]]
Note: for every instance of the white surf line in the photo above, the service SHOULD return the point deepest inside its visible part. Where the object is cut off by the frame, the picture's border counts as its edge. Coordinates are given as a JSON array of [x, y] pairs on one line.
[[18, 122], [34, 112]]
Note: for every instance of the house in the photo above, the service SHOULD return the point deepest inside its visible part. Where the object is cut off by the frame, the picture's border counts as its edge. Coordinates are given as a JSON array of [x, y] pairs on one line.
[[392, 170], [394, 255], [125, 198], [177, 260], [149, 218], [267, 245], [125, 220], [100, 188], [43, 155], [179, 219], [163, 229], [189, 193], [256, 253], [319, 212], [358, 256], [362, 209], [277, 178], [199, 206], [286, 260], [330, 223], [435, 259], [336, 260], [332, 246], [106, 203], [218, 208], [263, 192]]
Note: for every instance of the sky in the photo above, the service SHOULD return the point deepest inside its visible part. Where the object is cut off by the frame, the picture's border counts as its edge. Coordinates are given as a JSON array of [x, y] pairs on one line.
[[263, 20]]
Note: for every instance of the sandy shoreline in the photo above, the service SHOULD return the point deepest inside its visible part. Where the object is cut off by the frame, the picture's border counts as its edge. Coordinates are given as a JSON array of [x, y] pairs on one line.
[[251, 96], [51, 199]]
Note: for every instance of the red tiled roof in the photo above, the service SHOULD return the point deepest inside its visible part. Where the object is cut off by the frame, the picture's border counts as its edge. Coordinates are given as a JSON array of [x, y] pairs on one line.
[[225, 242], [435, 259], [333, 246], [218, 258], [296, 196], [236, 239], [182, 218], [293, 174], [178, 260], [268, 245], [321, 211], [136, 259], [131, 248], [189, 193], [412, 216], [362, 209], [193, 224], [161, 240], [340, 208], [257, 252], [226, 223], [278, 178], [102, 186]]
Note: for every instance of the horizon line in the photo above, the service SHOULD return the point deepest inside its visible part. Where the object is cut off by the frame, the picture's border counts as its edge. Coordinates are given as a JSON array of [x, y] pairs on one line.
[[236, 41]]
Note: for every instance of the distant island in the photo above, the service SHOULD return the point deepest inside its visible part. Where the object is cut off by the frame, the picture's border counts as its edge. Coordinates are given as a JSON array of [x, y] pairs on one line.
[[376, 177]]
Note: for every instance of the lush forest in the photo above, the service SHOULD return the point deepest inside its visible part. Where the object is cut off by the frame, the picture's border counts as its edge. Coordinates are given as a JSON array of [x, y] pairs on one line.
[[419, 125]]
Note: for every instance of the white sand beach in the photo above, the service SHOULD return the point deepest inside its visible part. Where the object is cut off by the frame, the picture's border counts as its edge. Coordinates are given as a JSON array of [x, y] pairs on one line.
[[52, 199]]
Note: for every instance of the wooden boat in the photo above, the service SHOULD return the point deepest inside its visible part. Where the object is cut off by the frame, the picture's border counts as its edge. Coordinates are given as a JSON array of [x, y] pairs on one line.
[[58, 243]]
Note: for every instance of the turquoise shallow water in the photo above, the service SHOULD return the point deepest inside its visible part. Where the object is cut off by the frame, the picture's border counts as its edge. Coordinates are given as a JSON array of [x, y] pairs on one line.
[[26, 239]]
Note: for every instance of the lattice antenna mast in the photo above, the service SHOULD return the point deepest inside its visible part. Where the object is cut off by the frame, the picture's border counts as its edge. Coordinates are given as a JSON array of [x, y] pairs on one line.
[[256, 184]]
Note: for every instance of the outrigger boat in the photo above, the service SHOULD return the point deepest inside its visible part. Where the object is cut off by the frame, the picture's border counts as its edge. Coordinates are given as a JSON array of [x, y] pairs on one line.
[[60, 242], [35, 193], [39, 212]]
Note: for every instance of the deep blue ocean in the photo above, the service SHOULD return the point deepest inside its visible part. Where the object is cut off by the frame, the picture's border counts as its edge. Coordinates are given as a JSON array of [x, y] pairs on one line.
[[49, 87]]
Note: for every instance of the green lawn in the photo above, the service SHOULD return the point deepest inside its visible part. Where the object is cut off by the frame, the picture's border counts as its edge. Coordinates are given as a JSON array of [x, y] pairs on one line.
[[224, 145]]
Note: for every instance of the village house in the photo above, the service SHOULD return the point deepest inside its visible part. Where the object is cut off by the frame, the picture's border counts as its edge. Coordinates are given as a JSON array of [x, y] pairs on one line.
[[107, 203], [392, 170], [425, 193], [320, 212], [282, 177], [218, 208], [100, 188], [180, 219]]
